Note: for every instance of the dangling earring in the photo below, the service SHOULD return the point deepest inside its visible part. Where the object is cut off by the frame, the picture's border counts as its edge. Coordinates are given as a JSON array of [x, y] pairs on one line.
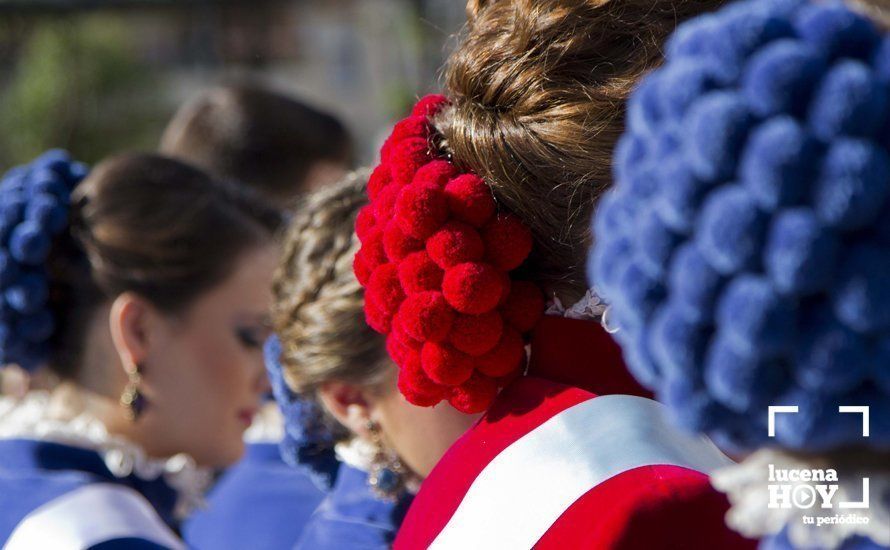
[[132, 399], [387, 476]]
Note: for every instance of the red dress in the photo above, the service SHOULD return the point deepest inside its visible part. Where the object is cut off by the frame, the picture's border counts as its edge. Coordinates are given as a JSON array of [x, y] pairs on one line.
[[552, 465]]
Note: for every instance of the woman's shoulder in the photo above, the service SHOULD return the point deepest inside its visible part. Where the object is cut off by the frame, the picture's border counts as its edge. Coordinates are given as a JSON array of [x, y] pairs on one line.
[[351, 514], [92, 514], [544, 449]]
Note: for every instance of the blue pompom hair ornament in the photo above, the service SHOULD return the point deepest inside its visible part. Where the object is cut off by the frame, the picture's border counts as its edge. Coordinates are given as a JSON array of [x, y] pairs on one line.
[[745, 247], [34, 208], [308, 442]]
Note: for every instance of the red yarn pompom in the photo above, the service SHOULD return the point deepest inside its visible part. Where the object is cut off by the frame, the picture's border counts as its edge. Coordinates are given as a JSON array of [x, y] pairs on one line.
[[445, 365], [385, 204], [398, 331], [455, 243], [470, 199], [508, 242], [407, 156], [473, 288], [364, 222], [372, 250], [419, 273], [377, 318], [398, 348], [384, 289], [524, 305], [420, 210], [411, 127], [426, 316], [416, 386], [397, 244], [476, 335], [437, 173], [508, 283], [475, 395], [361, 269], [506, 357], [379, 178], [429, 105]]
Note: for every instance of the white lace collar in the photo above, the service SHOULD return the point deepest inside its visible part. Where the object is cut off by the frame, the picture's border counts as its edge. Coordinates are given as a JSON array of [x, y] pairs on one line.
[[267, 427], [590, 307], [29, 418], [361, 453], [747, 486]]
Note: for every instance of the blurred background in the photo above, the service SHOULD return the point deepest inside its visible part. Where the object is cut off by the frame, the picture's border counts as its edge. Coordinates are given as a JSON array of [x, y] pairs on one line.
[[100, 76]]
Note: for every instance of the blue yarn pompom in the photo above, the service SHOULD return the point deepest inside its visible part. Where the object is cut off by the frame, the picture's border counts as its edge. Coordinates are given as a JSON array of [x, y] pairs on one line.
[[754, 318], [308, 443], [740, 380], [861, 298], [34, 204], [29, 243], [853, 184], [850, 101], [778, 163], [745, 248], [680, 194], [28, 294], [836, 30], [830, 358], [731, 229], [717, 126], [693, 284], [801, 254], [780, 78]]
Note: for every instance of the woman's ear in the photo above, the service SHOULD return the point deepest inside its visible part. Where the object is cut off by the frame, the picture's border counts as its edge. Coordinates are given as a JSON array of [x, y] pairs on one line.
[[129, 320], [349, 404]]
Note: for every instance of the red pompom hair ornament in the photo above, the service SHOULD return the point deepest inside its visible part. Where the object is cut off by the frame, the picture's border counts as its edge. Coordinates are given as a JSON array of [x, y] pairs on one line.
[[435, 262]]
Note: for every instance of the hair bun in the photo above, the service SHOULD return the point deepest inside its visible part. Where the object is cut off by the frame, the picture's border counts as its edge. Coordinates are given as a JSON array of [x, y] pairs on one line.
[[744, 249], [34, 209]]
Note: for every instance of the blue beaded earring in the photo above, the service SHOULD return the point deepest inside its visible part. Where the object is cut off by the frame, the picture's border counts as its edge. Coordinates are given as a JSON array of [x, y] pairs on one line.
[[387, 476]]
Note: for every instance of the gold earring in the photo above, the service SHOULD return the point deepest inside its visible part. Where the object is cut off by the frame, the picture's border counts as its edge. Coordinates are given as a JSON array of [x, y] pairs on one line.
[[387, 476], [132, 399]]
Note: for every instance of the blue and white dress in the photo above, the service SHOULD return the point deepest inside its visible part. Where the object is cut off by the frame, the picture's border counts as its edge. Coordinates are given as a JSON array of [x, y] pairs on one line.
[[70, 485]]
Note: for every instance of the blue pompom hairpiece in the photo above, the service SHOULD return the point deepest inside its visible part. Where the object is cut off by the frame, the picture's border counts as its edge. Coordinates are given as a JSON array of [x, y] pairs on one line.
[[745, 248], [308, 442], [34, 210]]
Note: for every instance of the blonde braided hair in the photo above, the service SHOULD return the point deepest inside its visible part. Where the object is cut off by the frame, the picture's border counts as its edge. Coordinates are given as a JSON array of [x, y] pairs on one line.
[[318, 311]]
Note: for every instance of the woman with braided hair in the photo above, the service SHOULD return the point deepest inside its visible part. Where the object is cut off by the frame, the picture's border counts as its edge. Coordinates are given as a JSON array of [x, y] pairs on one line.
[[143, 286], [346, 421]]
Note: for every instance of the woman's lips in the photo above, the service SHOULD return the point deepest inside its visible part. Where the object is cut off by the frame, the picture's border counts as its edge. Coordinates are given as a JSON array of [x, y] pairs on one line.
[[246, 416]]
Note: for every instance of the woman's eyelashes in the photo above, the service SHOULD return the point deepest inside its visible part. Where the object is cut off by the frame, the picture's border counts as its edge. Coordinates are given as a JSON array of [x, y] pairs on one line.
[[252, 337]]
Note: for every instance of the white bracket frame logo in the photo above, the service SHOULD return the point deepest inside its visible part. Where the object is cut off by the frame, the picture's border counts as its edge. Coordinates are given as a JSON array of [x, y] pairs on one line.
[[852, 409]]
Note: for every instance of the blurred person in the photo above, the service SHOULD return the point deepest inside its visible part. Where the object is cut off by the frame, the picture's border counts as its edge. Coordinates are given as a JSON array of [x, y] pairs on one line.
[[479, 216], [777, 294], [144, 286], [285, 149], [339, 368], [275, 143]]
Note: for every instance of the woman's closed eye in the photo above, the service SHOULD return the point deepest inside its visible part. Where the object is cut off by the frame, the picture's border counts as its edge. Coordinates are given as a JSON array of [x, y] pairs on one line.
[[252, 337]]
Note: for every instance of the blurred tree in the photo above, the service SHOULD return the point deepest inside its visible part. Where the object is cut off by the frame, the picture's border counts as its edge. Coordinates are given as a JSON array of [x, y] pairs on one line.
[[77, 84]]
